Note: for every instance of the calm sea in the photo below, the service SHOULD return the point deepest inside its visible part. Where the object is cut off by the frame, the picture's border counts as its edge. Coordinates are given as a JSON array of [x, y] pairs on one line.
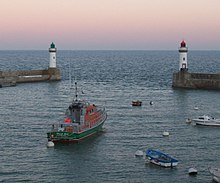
[[112, 79]]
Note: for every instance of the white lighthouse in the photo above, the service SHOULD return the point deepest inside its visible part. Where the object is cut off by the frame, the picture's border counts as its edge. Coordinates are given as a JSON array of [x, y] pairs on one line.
[[183, 56], [52, 51]]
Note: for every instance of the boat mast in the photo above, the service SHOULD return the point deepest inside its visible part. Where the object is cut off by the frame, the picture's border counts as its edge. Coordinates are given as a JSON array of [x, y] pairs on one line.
[[70, 77], [76, 95]]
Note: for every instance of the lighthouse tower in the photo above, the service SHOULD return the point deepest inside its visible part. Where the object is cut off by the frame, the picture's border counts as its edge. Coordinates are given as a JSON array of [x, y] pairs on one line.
[[183, 56], [52, 51]]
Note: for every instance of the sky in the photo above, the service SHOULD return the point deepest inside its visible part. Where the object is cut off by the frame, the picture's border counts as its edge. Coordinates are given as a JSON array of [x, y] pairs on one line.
[[109, 24]]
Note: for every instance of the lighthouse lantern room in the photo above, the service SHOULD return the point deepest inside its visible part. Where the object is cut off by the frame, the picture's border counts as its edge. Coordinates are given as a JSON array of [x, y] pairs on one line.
[[183, 56], [52, 51]]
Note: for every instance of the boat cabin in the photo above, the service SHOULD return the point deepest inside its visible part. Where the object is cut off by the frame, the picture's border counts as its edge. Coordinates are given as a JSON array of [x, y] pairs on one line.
[[79, 112], [204, 118], [75, 113]]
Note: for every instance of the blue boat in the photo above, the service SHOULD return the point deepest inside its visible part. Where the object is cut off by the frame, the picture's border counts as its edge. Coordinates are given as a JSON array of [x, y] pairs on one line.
[[161, 159]]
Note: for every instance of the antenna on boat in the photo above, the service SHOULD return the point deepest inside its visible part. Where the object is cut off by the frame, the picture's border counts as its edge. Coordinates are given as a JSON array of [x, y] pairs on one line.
[[76, 95], [71, 83], [70, 78]]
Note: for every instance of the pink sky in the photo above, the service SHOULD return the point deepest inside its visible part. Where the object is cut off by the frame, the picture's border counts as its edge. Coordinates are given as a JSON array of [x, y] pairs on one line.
[[109, 24]]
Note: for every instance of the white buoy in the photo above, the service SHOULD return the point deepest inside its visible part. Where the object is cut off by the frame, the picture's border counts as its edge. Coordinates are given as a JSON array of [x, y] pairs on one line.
[[192, 171], [139, 153], [196, 108], [166, 133], [50, 144], [188, 120]]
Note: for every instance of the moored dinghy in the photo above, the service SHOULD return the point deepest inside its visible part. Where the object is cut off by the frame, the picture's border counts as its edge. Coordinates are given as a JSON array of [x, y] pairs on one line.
[[82, 120], [161, 159], [136, 103]]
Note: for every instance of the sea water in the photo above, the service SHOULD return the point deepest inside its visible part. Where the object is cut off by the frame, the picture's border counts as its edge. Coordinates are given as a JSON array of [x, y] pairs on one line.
[[111, 79]]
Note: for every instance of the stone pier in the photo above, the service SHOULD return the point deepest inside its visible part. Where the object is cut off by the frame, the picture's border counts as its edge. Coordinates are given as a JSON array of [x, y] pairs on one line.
[[10, 78], [184, 79]]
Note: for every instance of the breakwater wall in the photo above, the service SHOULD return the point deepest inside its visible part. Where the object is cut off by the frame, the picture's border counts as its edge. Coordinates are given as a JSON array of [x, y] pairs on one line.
[[11, 78], [184, 79]]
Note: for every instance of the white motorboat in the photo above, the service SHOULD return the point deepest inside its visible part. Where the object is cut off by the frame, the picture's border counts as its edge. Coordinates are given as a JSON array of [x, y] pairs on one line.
[[215, 172], [206, 121]]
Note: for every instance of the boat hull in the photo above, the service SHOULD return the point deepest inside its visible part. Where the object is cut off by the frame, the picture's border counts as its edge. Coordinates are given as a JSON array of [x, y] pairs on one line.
[[166, 165], [70, 137], [208, 124]]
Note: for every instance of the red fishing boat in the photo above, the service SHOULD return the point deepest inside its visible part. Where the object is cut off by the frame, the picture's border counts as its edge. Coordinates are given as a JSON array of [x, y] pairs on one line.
[[82, 120]]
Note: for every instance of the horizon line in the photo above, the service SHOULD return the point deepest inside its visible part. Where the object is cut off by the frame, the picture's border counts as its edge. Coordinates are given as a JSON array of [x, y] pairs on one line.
[[108, 49]]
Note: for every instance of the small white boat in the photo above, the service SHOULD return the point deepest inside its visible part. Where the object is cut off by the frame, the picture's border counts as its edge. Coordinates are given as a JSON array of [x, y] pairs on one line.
[[215, 172], [206, 121]]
